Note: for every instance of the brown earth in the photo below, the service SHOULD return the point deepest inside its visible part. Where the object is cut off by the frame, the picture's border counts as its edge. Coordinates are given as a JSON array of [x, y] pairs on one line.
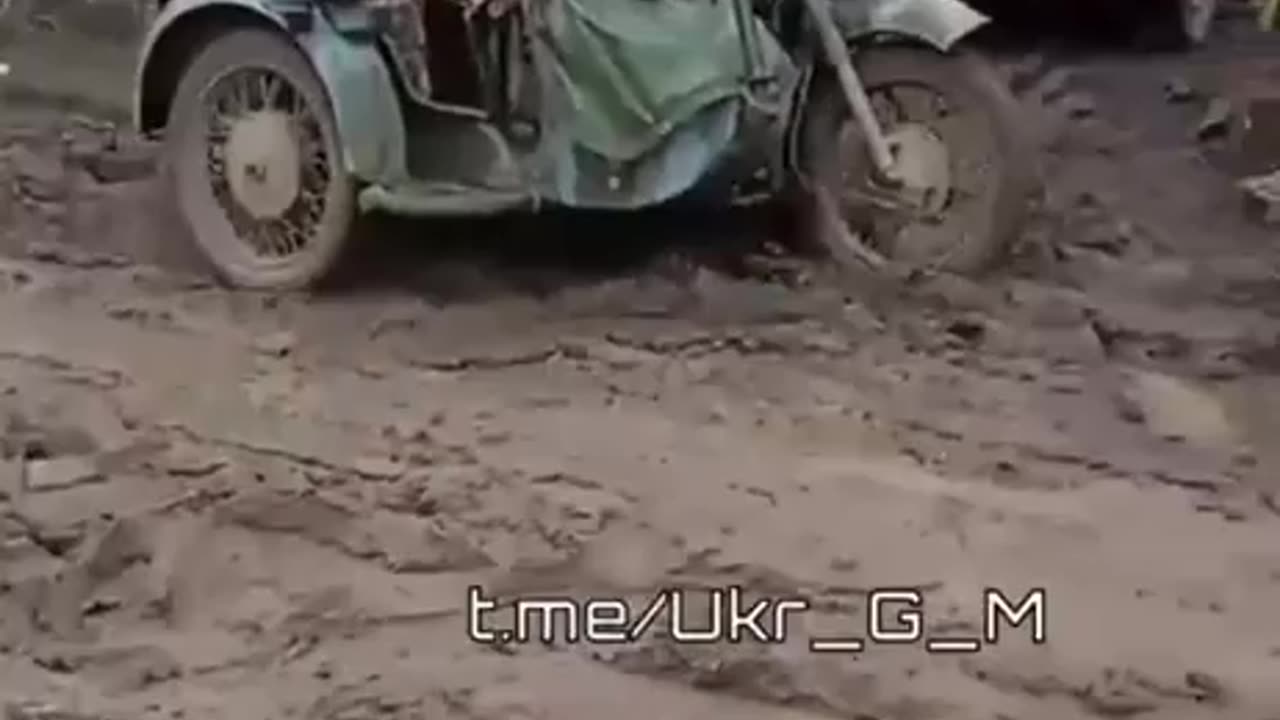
[[224, 505]]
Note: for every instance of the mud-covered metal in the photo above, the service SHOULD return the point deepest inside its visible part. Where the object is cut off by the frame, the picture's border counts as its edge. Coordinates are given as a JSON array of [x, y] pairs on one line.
[[342, 46], [940, 23]]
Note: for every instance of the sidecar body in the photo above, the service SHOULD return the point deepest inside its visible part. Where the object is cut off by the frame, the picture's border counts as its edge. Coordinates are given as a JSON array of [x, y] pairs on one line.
[[442, 107]]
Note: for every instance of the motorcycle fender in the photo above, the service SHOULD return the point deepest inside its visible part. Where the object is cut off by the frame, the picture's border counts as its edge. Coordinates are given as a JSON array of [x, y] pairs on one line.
[[342, 51], [939, 23]]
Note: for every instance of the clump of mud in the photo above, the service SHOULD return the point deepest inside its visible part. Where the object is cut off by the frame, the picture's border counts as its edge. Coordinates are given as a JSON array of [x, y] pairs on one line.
[[83, 195]]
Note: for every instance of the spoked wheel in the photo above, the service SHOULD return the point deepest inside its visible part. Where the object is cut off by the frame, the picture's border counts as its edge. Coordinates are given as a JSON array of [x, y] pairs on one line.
[[257, 162], [964, 171]]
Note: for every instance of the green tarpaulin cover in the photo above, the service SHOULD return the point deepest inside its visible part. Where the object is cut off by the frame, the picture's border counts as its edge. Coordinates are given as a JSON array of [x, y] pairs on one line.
[[631, 70]]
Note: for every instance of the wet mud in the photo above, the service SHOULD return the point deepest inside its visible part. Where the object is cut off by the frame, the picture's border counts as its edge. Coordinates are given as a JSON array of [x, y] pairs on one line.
[[232, 505]]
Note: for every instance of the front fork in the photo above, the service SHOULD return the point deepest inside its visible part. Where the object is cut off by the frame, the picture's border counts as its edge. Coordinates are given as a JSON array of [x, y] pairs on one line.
[[837, 53]]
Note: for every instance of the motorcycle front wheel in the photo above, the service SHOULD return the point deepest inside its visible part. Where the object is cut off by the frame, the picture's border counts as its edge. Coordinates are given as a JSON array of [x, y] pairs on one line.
[[964, 169]]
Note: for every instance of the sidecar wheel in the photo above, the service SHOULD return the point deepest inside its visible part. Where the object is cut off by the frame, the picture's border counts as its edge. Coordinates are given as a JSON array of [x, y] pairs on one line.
[[256, 161], [968, 169]]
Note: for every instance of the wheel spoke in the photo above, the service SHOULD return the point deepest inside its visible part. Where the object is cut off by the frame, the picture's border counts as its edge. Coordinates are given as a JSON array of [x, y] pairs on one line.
[[243, 96], [928, 218], [269, 90]]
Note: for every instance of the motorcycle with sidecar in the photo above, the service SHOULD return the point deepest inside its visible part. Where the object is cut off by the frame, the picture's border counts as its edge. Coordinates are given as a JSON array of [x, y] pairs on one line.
[[284, 121]]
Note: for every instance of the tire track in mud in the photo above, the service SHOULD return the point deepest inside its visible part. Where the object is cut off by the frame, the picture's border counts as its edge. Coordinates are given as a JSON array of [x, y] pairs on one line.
[[614, 351], [786, 680]]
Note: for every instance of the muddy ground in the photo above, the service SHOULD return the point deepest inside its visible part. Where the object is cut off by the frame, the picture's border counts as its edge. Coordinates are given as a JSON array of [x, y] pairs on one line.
[[224, 505]]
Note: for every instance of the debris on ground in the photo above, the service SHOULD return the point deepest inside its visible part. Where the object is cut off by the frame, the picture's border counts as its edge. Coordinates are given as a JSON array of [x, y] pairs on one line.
[[1177, 91], [1216, 121], [61, 473], [1262, 198]]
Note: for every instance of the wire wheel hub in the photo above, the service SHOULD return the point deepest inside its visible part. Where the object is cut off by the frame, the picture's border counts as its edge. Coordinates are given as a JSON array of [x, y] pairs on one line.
[[922, 167], [267, 165], [264, 164]]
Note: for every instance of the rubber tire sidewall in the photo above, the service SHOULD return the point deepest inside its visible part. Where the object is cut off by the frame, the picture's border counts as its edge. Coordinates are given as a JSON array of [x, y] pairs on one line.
[[958, 72], [208, 225]]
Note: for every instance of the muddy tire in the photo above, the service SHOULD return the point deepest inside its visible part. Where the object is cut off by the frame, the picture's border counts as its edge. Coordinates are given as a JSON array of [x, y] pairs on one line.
[[980, 136], [259, 178]]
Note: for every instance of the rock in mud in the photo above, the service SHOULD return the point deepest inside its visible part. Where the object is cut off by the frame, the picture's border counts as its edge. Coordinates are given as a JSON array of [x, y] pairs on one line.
[[1177, 91], [62, 473], [1174, 409], [1262, 198], [277, 344], [1216, 121]]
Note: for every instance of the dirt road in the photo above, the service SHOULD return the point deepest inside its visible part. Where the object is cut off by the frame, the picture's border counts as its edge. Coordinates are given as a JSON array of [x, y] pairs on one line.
[[220, 505]]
